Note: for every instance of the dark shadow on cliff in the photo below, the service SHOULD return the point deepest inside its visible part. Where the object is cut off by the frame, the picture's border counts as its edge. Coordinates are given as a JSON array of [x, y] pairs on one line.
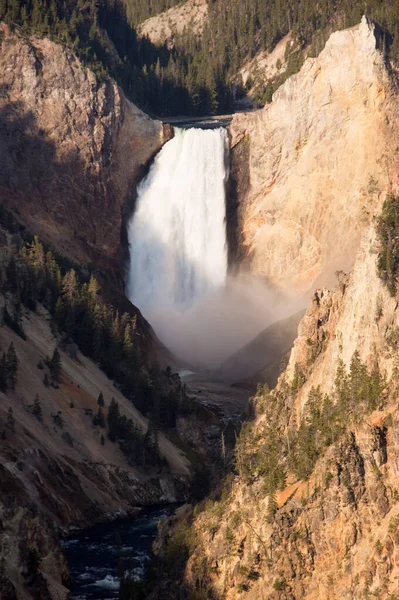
[[55, 192], [56, 197]]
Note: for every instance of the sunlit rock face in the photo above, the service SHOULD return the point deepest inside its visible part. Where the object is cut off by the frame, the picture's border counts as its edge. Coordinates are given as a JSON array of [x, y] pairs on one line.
[[310, 156]]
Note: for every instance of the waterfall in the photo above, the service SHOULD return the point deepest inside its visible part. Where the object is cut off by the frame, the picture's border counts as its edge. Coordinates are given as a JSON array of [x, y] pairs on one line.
[[177, 235], [178, 255]]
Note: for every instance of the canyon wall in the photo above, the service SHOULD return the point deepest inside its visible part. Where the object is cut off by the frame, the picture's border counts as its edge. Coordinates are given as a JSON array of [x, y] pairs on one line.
[[72, 150], [330, 528], [307, 161], [334, 534]]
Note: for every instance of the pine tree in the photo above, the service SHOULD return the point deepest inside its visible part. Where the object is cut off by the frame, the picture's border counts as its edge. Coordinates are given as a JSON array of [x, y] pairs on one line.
[[12, 365], [99, 419], [100, 400], [70, 287], [94, 287], [128, 342], [37, 408], [59, 312], [113, 420], [55, 366], [3, 373], [102, 440], [10, 420], [46, 381]]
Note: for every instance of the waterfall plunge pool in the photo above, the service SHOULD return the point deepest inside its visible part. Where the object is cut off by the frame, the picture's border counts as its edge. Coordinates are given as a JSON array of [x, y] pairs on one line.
[[93, 554]]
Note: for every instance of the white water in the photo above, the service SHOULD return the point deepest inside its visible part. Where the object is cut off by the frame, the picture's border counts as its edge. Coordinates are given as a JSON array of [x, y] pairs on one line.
[[178, 254], [177, 237]]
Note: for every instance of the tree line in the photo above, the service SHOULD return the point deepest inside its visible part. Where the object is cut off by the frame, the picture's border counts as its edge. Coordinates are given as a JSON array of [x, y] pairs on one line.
[[196, 76], [34, 276], [269, 452], [113, 340]]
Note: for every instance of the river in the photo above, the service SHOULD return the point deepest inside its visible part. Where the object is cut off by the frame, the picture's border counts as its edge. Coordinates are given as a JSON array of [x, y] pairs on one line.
[[93, 554]]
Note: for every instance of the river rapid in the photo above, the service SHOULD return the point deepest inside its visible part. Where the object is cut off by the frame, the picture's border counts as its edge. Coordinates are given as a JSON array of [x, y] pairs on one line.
[[93, 554]]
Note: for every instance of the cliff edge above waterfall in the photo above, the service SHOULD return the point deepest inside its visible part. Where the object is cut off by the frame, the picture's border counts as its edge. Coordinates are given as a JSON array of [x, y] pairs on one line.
[[308, 166]]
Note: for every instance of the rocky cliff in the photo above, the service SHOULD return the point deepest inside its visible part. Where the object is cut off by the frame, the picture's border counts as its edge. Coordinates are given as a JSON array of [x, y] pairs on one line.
[[306, 162], [72, 150], [165, 27], [311, 510], [334, 534]]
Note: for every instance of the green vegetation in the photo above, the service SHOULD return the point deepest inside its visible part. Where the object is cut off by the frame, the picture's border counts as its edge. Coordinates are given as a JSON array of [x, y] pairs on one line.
[[37, 408], [265, 451], [8, 369], [196, 76], [100, 400], [55, 366], [98, 329], [138, 448], [140, 10], [34, 276], [388, 234], [103, 36]]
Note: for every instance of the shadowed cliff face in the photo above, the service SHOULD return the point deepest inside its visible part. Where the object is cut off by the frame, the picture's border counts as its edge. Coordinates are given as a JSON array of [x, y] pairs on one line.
[[311, 154], [72, 150]]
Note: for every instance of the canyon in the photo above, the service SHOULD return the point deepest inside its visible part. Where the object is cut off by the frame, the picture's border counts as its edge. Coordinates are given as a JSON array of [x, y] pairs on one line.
[[308, 176], [332, 531]]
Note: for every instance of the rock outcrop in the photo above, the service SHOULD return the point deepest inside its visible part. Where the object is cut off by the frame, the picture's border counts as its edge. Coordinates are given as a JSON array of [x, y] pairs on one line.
[[261, 360], [165, 27], [72, 150], [312, 157]]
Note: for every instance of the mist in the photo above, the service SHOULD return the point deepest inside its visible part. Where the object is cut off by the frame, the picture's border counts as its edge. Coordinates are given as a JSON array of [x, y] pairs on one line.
[[205, 335], [178, 270]]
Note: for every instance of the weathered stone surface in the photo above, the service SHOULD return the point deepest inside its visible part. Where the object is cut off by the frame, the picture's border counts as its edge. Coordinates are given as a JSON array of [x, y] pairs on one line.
[[335, 534], [312, 152], [72, 149], [163, 28]]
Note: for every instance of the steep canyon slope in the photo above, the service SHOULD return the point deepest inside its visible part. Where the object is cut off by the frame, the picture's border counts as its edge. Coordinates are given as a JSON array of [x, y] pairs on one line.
[[187, 17], [303, 164], [72, 149], [311, 510]]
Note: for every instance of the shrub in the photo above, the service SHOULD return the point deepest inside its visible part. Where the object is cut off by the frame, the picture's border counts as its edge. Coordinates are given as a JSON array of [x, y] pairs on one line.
[[388, 234]]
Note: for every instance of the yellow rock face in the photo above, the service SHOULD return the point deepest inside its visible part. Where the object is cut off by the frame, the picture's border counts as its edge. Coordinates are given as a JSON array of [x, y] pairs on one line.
[[312, 154]]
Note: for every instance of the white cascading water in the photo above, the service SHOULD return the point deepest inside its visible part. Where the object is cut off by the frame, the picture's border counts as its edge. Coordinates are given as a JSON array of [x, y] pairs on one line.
[[177, 236], [178, 254]]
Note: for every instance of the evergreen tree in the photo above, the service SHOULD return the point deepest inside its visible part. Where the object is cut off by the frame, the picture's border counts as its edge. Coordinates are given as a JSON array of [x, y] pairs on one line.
[[100, 400], [94, 288], [99, 419], [113, 420], [10, 420], [55, 366], [37, 408], [59, 314], [12, 365], [3, 373], [70, 287]]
